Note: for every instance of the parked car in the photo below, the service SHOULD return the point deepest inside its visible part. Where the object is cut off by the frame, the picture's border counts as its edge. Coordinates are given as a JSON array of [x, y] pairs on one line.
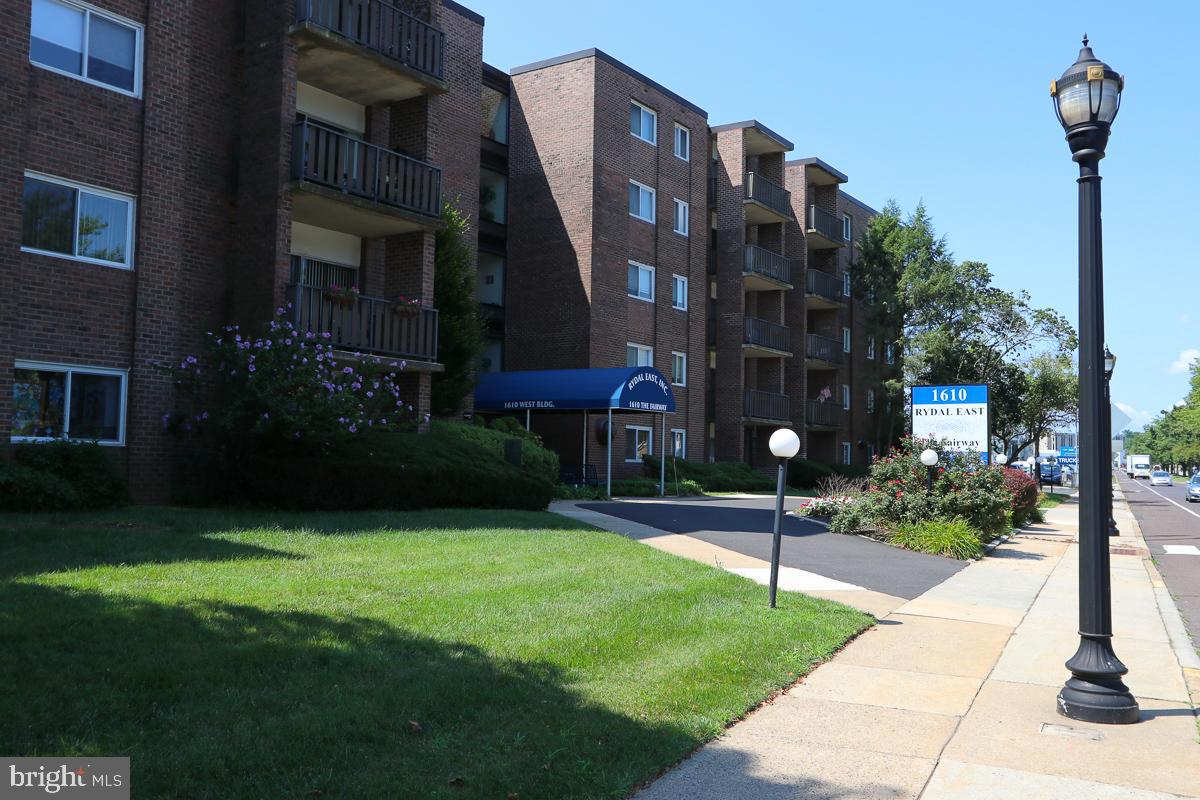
[[1193, 489], [1160, 478], [1049, 471]]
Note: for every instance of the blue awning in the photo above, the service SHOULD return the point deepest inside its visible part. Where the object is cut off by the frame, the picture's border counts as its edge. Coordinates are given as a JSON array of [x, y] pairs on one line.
[[628, 388]]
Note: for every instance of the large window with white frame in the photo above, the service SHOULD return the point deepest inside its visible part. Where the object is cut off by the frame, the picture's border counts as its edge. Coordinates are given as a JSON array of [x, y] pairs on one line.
[[679, 289], [845, 452], [56, 401], [67, 219], [641, 201], [889, 353], [681, 217], [84, 42], [643, 122], [641, 281], [870, 401], [678, 442], [639, 443], [847, 227], [683, 142], [847, 288], [871, 348], [678, 368], [845, 397], [845, 340], [638, 355]]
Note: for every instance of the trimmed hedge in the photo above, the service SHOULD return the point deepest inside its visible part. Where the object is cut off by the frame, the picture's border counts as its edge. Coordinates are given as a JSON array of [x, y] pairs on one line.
[[648, 487], [535, 459], [60, 476], [452, 465], [720, 476]]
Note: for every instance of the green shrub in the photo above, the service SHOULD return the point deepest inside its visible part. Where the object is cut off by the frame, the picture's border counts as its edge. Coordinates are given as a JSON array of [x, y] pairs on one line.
[[1024, 493], [648, 487], [86, 467], [535, 459], [805, 474], [26, 489], [953, 538], [564, 492], [851, 470], [720, 476]]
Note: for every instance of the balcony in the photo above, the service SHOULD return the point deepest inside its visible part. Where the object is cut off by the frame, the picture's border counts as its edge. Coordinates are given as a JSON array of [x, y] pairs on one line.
[[766, 201], [765, 271], [368, 51], [823, 352], [823, 290], [322, 274], [349, 185], [765, 408], [764, 339], [367, 324], [824, 415], [823, 229]]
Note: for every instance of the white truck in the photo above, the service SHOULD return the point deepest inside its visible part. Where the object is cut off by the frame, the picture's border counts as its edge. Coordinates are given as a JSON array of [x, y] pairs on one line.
[[1138, 466]]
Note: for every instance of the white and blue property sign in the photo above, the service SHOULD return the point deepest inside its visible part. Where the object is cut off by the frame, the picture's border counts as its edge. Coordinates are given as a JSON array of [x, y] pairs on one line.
[[957, 414]]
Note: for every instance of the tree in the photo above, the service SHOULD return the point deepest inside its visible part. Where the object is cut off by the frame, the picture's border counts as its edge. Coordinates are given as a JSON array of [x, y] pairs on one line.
[[460, 328], [1050, 401], [1173, 437]]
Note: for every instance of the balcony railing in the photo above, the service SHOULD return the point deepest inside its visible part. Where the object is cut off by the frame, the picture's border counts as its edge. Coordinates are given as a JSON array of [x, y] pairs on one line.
[[760, 261], [381, 27], [330, 158], [367, 324], [827, 414], [769, 193], [322, 274], [824, 223], [825, 285], [824, 348], [764, 333], [767, 405]]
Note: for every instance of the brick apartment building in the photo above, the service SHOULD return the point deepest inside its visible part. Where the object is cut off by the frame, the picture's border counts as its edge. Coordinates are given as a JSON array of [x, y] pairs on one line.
[[169, 167]]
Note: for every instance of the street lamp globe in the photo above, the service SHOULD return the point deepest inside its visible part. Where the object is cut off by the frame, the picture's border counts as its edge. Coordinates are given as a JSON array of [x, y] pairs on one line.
[[1110, 362], [784, 443], [1086, 99], [929, 457], [1001, 459]]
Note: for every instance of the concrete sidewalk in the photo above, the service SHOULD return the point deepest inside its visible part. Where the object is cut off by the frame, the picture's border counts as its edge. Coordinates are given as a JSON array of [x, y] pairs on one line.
[[952, 695]]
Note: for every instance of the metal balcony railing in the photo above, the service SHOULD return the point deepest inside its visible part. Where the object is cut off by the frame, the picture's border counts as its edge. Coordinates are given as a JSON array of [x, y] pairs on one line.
[[328, 157], [827, 414], [322, 274], [367, 324], [824, 223], [824, 348], [767, 405], [768, 334], [825, 285], [380, 27], [769, 193], [760, 261]]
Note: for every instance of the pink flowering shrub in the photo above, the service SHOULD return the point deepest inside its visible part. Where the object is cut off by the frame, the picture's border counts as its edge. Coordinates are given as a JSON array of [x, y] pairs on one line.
[[824, 506], [285, 388]]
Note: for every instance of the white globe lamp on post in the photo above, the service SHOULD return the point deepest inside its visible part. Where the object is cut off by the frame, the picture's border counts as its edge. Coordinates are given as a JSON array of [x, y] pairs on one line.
[[929, 458], [784, 444]]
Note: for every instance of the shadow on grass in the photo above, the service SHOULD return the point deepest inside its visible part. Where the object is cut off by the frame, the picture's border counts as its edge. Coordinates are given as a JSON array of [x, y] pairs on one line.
[[225, 700]]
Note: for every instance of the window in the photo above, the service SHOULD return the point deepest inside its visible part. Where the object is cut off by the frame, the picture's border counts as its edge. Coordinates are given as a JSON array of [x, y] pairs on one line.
[[87, 44], [871, 453], [493, 196], [847, 227], [889, 353], [67, 219], [641, 281], [641, 201], [681, 217], [643, 122], [683, 142], [678, 369], [679, 286], [870, 401], [52, 401], [845, 340], [871, 348], [846, 288], [678, 443], [489, 285], [638, 355], [845, 397], [495, 114], [845, 452], [639, 443]]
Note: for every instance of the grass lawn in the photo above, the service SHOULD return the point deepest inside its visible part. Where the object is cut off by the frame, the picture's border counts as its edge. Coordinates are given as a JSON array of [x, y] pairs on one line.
[[788, 492], [1047, 500], [427, 654]]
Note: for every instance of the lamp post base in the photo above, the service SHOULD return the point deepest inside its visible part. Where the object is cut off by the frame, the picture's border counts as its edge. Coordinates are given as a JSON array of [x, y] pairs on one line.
[[1095, 691], [1113, 530]]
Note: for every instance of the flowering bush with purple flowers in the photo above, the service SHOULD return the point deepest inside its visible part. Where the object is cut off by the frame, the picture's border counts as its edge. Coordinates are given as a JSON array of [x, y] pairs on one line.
[[286, 387]]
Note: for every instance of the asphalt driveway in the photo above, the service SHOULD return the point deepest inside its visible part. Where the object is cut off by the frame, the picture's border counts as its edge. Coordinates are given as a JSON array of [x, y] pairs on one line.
[[745, 526]]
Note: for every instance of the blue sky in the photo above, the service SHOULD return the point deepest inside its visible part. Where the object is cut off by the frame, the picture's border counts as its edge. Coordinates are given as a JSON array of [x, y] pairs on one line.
[[948, 102]]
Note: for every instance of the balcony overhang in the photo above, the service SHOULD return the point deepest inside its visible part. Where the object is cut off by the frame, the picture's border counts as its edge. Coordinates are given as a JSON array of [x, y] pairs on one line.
[[758, 213], [818, 173], [766, 421], [758, 139], [819, 241], [820, 364], [755, 350], [819, 302], [326, 207], [757, 282], [329, 61]]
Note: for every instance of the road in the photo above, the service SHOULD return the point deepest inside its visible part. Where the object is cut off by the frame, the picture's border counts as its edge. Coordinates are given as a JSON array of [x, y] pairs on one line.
[[1170, 523], [745, 526]]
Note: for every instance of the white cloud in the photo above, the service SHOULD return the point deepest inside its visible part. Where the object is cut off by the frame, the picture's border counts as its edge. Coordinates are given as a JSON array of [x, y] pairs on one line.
[[1137, 417], [1180, 403], [1184, 362]]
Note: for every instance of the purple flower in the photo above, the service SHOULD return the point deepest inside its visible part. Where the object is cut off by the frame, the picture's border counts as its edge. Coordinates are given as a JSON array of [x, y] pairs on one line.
[[166, 420], [348, 370], [266, 415], [251, 368], [204, 415], [353, 429], [370, 393]]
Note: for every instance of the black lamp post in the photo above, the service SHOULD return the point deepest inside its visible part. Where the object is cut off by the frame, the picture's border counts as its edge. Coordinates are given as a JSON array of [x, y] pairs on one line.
[[929, 458], [784, 444], [1086, 99], [1110, 363]]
